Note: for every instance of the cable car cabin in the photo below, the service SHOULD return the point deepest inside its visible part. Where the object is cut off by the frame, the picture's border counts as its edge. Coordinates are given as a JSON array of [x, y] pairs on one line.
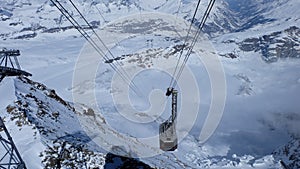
[[167, 130], [167, 136]]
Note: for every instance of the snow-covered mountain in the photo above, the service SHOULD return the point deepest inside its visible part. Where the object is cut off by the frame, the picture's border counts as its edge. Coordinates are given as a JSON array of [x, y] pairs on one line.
[[258, 45], [54, 123], [227, 16]]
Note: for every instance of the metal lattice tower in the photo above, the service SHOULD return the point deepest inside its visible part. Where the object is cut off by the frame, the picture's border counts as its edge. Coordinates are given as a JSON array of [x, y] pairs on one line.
[[10, 158], [9, 64]]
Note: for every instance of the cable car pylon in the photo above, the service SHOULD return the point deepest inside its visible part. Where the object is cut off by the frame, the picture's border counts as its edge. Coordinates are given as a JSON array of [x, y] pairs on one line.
[[9, 157], [9, 64], [167, 130]]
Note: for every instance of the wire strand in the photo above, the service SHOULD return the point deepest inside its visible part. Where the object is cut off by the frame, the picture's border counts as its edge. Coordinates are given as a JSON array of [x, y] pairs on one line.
[[185, 42], [63, 10], [200, 27], [102, 42]]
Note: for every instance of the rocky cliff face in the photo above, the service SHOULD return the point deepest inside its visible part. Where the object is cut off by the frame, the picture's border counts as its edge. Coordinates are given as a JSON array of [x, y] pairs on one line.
[[289, 154], [281, 44]]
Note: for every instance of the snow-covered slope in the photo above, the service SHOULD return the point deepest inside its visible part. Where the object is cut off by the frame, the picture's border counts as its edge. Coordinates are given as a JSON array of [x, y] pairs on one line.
[[256, 16], [261, 112], [52, 135]]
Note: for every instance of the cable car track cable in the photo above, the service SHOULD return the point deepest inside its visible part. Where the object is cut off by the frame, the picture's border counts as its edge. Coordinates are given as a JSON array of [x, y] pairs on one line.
[[200, 27], [98, 37], [77, 26], [185, 42]]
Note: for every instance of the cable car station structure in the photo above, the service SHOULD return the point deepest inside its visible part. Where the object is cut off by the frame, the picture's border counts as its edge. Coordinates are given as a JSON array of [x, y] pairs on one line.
[[9, 64]]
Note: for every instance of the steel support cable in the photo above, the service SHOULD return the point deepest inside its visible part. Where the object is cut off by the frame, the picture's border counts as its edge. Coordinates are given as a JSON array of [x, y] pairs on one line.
[[197, 35], [80, 29], [76, 25], [200, 27], [185, 42], [109, 51], [89, 39]]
